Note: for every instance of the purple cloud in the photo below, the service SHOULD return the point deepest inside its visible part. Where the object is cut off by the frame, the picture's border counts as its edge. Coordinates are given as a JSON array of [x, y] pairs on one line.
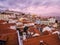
[[43, 7]]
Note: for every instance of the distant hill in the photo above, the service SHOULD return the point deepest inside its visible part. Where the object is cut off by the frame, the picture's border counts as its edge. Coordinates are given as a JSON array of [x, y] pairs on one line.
[[58, 18], [53, 14], [56, 15]]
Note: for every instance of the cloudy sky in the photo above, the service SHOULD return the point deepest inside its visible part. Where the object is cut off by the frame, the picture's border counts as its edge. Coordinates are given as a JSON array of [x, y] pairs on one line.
[[40, 7]]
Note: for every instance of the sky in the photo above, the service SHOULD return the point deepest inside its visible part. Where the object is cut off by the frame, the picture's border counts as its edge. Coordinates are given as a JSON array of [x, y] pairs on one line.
[[39, 7]]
